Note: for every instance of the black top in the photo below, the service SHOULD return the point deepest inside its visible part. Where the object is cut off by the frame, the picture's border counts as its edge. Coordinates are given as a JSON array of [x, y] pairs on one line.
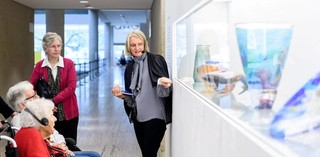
[[5, 110], [157, 68]]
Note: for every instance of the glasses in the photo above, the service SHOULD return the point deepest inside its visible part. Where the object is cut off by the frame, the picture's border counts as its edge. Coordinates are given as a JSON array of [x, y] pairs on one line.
[[55, 46], [33, 96]]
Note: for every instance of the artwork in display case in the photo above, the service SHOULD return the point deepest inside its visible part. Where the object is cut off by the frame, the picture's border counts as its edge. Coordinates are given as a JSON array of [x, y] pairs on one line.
[[201, 58], [297, 123], [202, 61], [263, 49], [302, 110], [202, 50]]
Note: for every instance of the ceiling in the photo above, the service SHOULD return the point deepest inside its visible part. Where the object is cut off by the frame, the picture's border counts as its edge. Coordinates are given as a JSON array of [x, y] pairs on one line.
[[116, 12]]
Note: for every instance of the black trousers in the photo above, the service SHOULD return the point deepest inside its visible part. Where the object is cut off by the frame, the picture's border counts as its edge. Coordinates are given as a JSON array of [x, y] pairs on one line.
[[149, 135], [68, 128]]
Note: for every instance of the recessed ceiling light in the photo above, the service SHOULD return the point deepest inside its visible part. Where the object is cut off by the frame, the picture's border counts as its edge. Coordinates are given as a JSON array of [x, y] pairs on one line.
[[84, 2], [88, 6]]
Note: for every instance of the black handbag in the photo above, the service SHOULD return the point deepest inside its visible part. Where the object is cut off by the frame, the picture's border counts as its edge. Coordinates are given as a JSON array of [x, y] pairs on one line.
[[43, 89], [133, 114], [130, 107], [71, 144]]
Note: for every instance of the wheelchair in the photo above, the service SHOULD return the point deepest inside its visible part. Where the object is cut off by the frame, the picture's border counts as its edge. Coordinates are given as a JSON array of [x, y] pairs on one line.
[[11, 131], [7, 134]]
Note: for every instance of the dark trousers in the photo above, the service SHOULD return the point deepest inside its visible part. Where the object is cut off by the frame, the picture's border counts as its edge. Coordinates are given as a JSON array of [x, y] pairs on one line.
[[149, 135], [68, 128]]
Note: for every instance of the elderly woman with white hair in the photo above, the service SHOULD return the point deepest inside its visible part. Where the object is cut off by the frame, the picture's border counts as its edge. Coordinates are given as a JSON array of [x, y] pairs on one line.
[[37, 123], [23, 92], [17, 95]]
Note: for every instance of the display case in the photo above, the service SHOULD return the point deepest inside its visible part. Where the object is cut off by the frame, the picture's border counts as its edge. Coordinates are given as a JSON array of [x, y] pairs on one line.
[[203, 65], [202, 55]]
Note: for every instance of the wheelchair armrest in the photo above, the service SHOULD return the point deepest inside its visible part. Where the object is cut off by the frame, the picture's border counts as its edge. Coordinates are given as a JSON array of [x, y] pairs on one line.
[[4, 137]]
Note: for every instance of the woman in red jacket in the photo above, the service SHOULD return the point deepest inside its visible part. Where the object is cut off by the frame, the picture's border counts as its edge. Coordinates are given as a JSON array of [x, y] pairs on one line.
[[61, 75], [37, 123]]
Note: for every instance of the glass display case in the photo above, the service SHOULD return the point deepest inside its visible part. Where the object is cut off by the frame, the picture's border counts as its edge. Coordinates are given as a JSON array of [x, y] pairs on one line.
[[202, 55], [202, 49], [202, 63]]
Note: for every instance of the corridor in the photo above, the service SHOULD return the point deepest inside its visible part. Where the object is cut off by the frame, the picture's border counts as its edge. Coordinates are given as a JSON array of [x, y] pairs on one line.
[[103, 124]]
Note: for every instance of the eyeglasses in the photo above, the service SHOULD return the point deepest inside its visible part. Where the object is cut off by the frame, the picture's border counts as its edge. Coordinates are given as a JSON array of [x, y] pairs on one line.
[[33, 96], [55, 46]]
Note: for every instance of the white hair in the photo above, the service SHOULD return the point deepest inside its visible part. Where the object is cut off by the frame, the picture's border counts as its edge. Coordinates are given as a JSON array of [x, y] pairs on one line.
[[49, 38], [16, 94], [40, 108]]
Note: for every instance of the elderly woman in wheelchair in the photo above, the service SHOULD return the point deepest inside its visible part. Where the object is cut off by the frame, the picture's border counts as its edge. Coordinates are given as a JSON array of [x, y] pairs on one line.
[[37, 123], [18, 97]]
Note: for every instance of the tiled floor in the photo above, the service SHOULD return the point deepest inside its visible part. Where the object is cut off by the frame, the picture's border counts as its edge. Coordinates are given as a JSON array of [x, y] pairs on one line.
[[104, 126]]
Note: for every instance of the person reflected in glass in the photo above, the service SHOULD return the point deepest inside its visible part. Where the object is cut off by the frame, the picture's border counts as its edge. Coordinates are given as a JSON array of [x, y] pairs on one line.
[[149, 105], [60, 74]]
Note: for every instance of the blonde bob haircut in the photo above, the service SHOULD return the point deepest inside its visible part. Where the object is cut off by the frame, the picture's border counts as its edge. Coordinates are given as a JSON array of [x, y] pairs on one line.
[[139, 34]]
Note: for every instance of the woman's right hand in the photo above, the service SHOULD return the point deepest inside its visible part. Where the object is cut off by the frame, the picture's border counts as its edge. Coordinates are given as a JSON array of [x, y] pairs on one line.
[[116, 91]]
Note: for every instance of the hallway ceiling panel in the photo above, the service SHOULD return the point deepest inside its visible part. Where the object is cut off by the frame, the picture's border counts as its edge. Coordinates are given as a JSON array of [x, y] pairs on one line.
[[96, 4], [117, 12]]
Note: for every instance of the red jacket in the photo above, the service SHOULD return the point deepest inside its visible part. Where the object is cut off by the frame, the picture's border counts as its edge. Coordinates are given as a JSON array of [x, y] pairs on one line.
[[68, 83], [30, 143]]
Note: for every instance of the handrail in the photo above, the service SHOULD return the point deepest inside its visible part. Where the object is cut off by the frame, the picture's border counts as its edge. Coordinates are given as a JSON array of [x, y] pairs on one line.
[[91, 68]]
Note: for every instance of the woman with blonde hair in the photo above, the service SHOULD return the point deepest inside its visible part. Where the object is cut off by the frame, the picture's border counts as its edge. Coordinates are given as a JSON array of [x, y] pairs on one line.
[[149, 106]]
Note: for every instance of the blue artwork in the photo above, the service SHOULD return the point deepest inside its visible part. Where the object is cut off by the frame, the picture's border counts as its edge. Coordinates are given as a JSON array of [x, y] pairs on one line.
[[263, 50], [300, 114]]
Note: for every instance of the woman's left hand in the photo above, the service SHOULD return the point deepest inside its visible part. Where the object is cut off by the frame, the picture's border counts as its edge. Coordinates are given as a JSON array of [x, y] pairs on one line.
[[165, 82]]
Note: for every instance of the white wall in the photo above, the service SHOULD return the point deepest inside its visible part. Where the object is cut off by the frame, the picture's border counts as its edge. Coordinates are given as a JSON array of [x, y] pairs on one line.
[[199, 129], [202, 129]]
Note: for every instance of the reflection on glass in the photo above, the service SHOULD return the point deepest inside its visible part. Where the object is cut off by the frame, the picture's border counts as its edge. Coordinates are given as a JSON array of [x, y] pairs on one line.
[[263, 49], [224, 81], [300, 114]]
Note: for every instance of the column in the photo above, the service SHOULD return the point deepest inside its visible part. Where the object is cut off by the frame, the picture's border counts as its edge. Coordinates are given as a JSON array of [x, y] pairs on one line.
[[108, 43], [93, 41], [55, 23]]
